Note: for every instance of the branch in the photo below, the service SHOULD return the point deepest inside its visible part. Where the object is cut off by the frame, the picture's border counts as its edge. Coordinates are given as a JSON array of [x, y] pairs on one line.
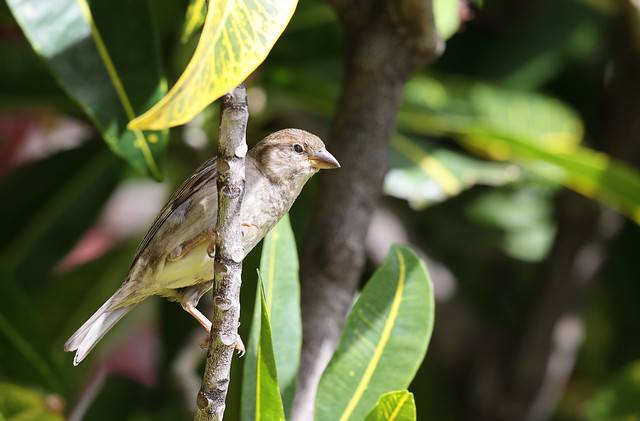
[[229, 254]]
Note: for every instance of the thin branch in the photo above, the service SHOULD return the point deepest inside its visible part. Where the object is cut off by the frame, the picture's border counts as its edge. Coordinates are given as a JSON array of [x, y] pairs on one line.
[[229, 254]]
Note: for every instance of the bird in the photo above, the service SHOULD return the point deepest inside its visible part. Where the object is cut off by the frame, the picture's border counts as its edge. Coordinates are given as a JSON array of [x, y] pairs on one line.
[[175, 258]]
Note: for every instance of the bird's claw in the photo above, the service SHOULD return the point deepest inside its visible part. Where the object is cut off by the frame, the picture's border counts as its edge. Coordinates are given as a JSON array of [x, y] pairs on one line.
[[240, 347], [211, 248], [204, 344]]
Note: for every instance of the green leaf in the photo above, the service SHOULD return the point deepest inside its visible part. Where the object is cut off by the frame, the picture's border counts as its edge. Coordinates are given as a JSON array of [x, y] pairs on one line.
[[268, 404], [106, 56], [455, 105], [17, 403], [236, 38], [384, 339], [394, 406], [279, 270], [619, 399], [424, 174]]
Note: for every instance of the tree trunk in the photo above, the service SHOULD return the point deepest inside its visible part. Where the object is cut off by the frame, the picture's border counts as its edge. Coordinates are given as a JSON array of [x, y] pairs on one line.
[[385, 42]]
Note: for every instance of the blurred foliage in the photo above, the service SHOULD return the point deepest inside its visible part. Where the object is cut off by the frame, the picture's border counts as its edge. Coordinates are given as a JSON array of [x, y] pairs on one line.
[[514, 110], [618, 400], [21, 404]]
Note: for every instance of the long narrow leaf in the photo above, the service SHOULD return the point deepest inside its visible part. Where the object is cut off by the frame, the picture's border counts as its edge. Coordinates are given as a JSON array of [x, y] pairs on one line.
[[279, 271], [384, 340], [586, 171], [424, 174], [268, 404]]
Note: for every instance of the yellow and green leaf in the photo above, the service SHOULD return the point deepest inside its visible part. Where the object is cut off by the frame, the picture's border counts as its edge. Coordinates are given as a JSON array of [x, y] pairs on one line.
[[384, 339], [532, 130], [424, 173], [236, 38], [394, 406]]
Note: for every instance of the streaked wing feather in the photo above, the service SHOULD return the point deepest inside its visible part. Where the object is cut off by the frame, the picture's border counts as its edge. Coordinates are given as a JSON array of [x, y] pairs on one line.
[[200, 177]]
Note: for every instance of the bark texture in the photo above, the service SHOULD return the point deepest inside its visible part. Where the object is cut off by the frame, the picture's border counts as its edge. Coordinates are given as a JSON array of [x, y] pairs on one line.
[[228, 259], [385, 41]]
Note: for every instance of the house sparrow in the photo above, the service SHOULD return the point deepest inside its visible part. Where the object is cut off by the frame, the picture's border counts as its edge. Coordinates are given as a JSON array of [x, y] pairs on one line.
[[175, 258]]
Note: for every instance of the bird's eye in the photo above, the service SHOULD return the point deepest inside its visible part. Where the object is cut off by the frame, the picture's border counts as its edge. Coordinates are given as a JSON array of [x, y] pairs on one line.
[[297, 148]]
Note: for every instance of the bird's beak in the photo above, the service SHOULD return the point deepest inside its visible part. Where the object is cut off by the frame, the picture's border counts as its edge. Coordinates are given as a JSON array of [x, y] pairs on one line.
[[324, 160]]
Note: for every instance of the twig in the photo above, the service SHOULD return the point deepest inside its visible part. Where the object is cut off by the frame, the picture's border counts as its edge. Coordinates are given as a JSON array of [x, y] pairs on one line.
[[229, 254]]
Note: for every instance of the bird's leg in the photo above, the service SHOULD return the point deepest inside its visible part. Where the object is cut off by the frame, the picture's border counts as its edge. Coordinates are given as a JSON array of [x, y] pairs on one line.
[[185, 247], [189, 300], [204, 343]]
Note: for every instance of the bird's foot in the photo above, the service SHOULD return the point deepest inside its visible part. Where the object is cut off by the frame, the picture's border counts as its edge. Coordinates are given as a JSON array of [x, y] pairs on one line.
[[204, 344]]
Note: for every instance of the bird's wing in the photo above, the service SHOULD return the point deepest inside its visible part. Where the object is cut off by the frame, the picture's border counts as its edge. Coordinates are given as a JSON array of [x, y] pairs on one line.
[[200, 177]]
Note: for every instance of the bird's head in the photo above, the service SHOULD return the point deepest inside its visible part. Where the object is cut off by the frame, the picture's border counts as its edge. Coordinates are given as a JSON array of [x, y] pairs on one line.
[[291, 155]]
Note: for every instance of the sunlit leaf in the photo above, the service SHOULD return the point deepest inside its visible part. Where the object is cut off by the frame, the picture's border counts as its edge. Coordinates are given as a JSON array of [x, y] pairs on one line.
[[424, 174], [279, 274], [384, 339], [619, 399], [236, 38], [106, 57], [394, 406]]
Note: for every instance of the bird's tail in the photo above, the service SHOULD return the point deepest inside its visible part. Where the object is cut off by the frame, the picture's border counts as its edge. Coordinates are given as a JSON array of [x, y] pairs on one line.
[[95, 328]]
